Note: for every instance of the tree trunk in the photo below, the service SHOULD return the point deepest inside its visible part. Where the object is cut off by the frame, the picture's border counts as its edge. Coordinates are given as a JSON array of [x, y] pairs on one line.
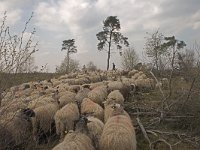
[[67, 69], [108, 59], [109, 46]]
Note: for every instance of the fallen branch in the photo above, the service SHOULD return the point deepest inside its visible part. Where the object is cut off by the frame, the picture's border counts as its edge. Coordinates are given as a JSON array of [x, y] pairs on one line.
[[143, 131], [154, 144]]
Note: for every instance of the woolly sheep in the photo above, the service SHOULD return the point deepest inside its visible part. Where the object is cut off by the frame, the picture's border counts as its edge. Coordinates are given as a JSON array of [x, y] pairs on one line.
[[82, 94], [65, 117], [113, 109], [94, 85], [90, 107], [56, 82], [125, 88], [19, 127], [132, 72], [74, 88], [142, 76], [78, 139], [43, 121], [135, 76], [13, 106], [144, 84], [98, 94], [115, 96], [118, 134], [6, 139], [41, 101], [95, 128], [82, 81], [66, 98]]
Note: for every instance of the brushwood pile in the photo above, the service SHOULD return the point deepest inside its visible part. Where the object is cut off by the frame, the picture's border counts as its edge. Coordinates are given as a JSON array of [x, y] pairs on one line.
[[82, 111]]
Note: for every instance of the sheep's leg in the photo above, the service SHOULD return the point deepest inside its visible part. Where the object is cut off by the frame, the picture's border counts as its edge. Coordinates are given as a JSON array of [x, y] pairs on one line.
[[62, 130]]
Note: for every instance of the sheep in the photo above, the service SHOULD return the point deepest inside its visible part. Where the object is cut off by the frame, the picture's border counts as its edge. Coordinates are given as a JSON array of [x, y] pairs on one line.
[[90, 107], [62, 87], [95, 78], [118, 134], [132, 72], [124, 87], [98, 94], [42, 101], [135, 76], [43, 122], [66, 98], [82, 81], [74, 88], [142, 76], [94, 85], [65, 117], [6, 139], [78, 139], [144, 84], [115, 96], [19, 127], [13, 106], [111, 109], [82, 94], [55, 82], [95, 127]]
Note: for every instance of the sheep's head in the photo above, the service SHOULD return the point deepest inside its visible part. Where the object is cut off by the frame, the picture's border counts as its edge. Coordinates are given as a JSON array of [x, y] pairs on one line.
[[28, 112], [81, 124], [117, 109]]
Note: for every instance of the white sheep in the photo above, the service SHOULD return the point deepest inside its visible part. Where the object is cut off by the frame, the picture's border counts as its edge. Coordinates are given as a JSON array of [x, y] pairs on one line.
[[43, 120], [65, 117], [116, 97], [90, 107], [65, 98], [118, 134], [82, 94], [112, 109], [77, 140], [98, 94], [19, 127], [95, 128]]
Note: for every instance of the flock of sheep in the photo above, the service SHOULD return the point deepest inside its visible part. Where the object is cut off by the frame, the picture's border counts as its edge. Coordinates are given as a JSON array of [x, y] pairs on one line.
[[84, 110]]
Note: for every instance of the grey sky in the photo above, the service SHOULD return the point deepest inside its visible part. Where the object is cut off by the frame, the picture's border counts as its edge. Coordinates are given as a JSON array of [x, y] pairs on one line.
[[57, 20]]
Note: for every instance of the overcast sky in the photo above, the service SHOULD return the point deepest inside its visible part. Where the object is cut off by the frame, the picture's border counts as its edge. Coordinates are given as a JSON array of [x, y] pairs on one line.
[[58, 20]]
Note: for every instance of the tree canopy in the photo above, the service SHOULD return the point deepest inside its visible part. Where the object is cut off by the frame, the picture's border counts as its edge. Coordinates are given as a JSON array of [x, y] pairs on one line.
[[69, 45], [111, 36]]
